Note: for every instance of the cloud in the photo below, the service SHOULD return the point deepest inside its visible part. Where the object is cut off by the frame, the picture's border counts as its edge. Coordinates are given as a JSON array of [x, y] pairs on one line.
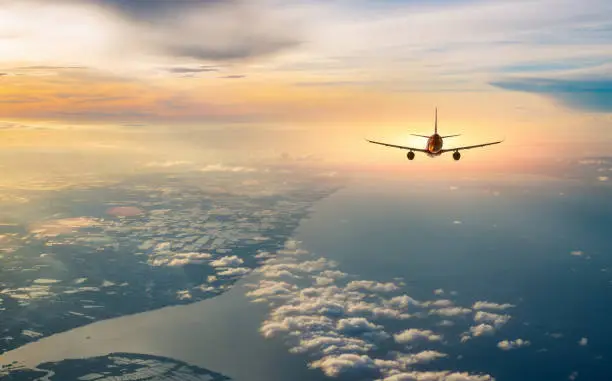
[[345, 363], [233, 76], [577, 253], [236, 271], [414, 334], [49, 68], [187, 258], [482, 329], [19, 126], [227, 261], [438, 303], [178, 259], [368, 285], [467, 42], [481, 305], [582, 94], [359, 326], [513, 344], [226, 168], [438, 376], [450, 311], [168, 163], [488, 324], [191, 70], [183, 295], [583, 342], [338, 322], [403, 301], [487, 317], [123, 34]]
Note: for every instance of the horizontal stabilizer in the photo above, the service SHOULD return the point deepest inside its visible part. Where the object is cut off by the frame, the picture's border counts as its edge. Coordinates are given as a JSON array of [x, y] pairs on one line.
[[451, 136], [422, 136]]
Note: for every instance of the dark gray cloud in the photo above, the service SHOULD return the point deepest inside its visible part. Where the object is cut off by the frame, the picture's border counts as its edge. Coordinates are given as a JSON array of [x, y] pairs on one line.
[[583, 94], [207, 30], [246, 46], [149, 10], [191, 70]]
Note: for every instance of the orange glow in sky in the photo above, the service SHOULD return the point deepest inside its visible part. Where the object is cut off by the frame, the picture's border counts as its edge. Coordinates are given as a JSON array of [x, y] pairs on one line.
[[304, 78]]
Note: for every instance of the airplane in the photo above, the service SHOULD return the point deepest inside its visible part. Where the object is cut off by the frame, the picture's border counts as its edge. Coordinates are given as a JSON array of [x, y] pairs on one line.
[[435, 144]]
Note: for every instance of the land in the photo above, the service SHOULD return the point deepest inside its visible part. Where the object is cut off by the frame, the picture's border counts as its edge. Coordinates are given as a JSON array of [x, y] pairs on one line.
[[78, 258], [115, 367]]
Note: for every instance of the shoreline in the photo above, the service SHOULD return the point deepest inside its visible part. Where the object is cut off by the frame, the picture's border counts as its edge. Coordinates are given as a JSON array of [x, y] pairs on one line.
[[234, 286]]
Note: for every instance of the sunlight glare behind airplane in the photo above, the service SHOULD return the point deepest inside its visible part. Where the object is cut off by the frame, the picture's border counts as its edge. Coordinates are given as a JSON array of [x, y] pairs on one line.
[[435, 143]]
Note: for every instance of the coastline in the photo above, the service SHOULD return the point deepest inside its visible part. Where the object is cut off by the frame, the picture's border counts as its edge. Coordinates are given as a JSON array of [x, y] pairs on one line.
[[85, 342]]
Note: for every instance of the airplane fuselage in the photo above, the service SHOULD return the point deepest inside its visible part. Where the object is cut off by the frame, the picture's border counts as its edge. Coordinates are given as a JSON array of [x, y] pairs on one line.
[[434, 145]]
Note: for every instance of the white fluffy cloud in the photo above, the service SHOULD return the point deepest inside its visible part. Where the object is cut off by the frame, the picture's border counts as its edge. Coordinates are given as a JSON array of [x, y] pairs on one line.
[[491, 306], [487, 317], [438, 303], [482, 329], [451, 311], [234, 271], [333, 366], [507, 345], [414, 334], [368, 285], [338, 321], [227, 261], [165, 258], [487, 324]]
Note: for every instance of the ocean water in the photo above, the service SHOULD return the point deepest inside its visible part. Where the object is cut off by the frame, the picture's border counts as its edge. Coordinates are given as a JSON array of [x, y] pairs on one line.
[[540, 243]]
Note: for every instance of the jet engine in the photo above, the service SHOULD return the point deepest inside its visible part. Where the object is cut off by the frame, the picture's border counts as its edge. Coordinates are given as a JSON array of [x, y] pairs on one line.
[[410, 155], [456, 155]]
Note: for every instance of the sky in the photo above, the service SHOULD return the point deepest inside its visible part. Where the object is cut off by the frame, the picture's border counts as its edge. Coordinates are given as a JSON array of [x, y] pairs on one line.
[[306, 77]]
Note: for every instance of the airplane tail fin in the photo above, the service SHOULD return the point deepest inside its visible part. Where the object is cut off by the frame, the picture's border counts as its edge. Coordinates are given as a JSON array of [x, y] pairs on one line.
[[436, 125]]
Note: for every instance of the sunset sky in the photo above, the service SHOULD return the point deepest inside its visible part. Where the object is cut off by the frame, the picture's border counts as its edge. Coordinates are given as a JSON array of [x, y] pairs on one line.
[[306, 77]]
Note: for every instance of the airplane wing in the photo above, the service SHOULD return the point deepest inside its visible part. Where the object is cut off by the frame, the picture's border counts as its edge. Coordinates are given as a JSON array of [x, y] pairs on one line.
[[469, 147], [400, 147]]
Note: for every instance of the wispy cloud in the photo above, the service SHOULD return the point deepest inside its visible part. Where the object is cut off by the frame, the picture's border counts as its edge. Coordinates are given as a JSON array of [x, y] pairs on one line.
[[482, 305], [586, 94], [191, 70]]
